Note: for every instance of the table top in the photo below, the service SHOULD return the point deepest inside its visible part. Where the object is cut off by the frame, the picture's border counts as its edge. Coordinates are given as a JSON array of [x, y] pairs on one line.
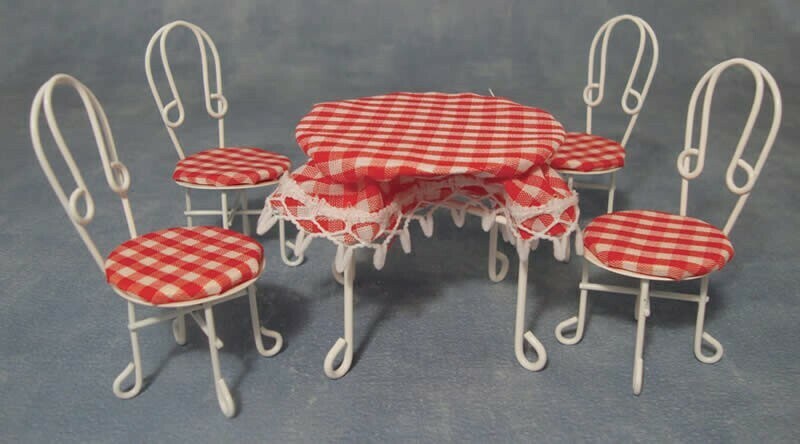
[[427, 135]]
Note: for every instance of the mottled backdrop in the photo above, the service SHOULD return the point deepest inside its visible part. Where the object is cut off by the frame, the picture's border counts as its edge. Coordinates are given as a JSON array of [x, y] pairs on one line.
[[434, 358]]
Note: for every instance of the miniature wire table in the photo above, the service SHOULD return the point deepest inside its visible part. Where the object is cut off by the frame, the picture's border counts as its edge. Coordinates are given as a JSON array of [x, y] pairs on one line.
[[378, 163]]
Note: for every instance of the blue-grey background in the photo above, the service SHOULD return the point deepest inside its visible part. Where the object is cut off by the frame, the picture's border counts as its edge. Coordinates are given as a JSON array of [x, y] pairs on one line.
[[434, 356]]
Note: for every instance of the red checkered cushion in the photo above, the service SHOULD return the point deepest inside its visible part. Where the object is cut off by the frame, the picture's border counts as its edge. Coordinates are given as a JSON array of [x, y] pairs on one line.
[[223, 167], [183, 264], [588, 152], [427, 135], [657, 244]]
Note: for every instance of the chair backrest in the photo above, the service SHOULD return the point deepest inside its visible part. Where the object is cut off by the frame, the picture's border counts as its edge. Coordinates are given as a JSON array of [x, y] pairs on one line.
[[593, 99], [115, 172], [709, 83], [203, 41]]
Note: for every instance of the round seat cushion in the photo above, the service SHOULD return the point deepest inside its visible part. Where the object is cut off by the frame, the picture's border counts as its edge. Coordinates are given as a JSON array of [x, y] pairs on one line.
[[184, 264], [657, 244], [231, 167], [588, 152]]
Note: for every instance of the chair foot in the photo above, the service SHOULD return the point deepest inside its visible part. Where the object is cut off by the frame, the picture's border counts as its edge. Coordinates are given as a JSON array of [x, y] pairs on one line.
[[259, 331], [347, 359], [272, 351], [137, 386], [568, 324], [134, 366], [700, 334], [225, 399], [713, 343], [638, 375], [541, 353], [579, 321]]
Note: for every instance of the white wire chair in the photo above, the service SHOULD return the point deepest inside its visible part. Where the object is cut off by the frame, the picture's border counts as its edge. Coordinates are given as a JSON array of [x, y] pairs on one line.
[[127, 279], [242, 168], [631, 254], [587, 154]]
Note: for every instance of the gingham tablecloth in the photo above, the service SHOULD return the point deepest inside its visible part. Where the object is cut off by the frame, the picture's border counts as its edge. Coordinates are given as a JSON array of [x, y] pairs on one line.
[[427, 135], [378, 163]]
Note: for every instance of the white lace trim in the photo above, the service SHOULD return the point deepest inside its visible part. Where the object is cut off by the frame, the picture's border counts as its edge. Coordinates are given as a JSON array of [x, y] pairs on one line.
[[423, 193]]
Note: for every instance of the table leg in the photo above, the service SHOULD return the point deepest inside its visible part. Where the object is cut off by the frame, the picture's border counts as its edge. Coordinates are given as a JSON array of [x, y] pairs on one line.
[[346, 343], [519, 327]]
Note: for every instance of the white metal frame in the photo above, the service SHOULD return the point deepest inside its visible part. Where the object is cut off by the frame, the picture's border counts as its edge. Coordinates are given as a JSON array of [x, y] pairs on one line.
[[645, 33], [344, 271], [227, 212], [707, 84], [118, 180]]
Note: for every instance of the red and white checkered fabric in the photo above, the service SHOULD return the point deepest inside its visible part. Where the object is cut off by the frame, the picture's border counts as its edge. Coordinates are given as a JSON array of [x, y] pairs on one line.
[[658, 244], [364, 195], [184, 264], [224, 167], [427, 135], [546, 193], [587, 153], [539, 204], [350, 212]]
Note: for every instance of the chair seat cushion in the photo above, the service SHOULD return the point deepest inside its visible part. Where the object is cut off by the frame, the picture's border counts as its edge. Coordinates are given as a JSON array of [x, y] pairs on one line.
[[183, 264], [588, 152], [657, 244], [230, 167]]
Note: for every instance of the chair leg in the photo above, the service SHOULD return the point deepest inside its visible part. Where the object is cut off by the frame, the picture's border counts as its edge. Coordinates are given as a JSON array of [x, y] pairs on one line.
[[519, 325], [638, 360], [245, 217], [579, 321], [494, 255], [700, 335], [345, 343], [224, 398], [179, 328], [612, 188], [188, 200], [258, 330], [134, 366], [284, 244], [224, 204]]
